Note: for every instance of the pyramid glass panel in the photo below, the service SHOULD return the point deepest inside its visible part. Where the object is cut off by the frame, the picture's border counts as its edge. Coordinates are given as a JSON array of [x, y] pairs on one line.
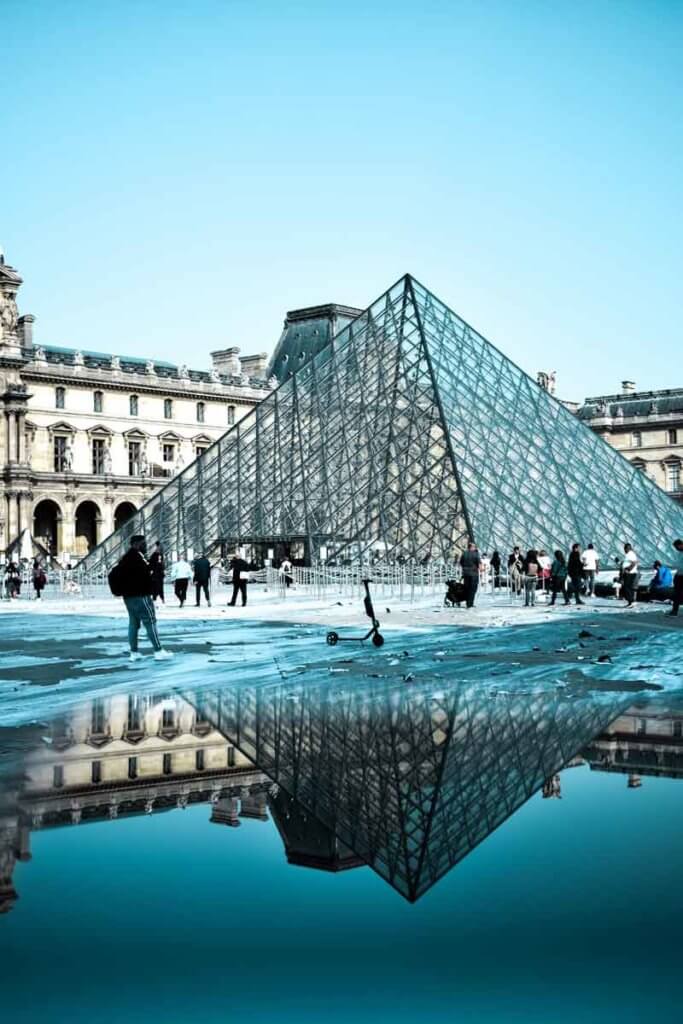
[[403, 435]]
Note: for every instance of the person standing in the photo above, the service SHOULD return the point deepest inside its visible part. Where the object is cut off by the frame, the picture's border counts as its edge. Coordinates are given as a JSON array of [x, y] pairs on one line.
[[202, 576], [157, 568], [131, 579], [591, 565], [545, 564], [286, 573], [12, 580], [531, 571], [575, 572], [495, 569], [558, 577], [469, 563], [240, 572], [39, 578], [678, 578], [516, 570], [629, 575], [182, 574]]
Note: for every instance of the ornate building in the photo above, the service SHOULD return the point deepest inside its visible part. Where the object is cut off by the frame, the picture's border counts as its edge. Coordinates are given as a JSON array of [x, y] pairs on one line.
[[87, 438], [646, 427]]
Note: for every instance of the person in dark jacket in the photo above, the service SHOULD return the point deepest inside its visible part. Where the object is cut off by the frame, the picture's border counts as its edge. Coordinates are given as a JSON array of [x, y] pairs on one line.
[[39, 578], [157, 567], [239, 582], [558, 577], [678, 578], [575, 571], [202, 577], [495, 569], [469, 563], [135, 586]]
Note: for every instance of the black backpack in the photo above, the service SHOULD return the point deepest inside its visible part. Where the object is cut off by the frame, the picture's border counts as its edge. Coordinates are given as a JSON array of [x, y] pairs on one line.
[[115, 579]]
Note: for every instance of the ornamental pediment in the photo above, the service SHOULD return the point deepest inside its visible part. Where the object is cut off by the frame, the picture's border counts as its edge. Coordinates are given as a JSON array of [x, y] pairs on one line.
[[61, 427]]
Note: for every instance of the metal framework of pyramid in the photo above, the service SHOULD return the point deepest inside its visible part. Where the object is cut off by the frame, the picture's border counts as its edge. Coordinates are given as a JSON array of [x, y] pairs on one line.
[[407, 433], [410, 779]]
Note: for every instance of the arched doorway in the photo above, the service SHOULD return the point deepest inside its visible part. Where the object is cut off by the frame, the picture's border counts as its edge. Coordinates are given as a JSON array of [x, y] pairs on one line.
[[123, 513], [87, 517], [47, 517]]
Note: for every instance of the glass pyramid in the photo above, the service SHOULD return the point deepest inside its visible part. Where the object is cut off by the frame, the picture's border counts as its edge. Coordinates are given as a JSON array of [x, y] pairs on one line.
[[407, 433], [409, 778]]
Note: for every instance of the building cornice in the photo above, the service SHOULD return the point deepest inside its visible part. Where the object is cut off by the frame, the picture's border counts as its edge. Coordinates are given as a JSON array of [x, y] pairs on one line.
[[136, 383]]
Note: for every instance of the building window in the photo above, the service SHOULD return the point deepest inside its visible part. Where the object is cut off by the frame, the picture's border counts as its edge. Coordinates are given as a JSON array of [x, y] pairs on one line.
[[673, 477], [636, 439], [200, 449], [60, 398], [678, 728], [167, 718], [201, 412], [641, 728], [231, 757], [134, 458], [168, 452], [639, 464], [58, 776], [97, 399], [98, 721], [168, 409], [167, 764], [98, 447], [96, 771], [672, 437], [60, 447], [231, 415], [199, 760], [132, 767], [133, 405], [134, 720]]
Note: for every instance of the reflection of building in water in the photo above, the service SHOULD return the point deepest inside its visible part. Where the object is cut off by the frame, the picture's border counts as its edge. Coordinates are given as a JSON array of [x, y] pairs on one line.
[[118, 756], [647, 739], [410, 779], [307, 841]]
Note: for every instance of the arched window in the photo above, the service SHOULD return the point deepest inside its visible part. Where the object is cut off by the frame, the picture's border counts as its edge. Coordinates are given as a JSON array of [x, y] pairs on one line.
[[231, 415], [97, 399], [636, 439], [60, 398], [168, 409], [201, 412], [133, 405]]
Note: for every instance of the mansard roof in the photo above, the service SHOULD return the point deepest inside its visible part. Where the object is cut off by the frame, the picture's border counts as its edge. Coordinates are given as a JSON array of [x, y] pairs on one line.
[[635, 403]]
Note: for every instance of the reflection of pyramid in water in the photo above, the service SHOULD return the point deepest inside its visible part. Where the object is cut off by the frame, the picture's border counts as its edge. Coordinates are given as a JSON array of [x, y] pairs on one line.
[[407, 432], [409, 778]]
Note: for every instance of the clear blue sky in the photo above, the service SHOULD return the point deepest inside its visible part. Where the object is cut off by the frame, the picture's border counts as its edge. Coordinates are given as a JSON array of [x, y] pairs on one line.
[[176, 175]]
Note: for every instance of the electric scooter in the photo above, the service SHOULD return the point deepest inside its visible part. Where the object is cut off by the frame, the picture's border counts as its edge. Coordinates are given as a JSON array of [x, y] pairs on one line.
[[377, 638]]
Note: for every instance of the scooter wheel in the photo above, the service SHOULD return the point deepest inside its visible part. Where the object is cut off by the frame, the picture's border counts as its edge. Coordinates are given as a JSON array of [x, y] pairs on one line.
[[378, 639], [332, 638]]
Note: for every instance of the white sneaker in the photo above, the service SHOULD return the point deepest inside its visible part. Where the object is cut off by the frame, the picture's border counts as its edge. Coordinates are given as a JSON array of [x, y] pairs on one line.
[[135, 656], [162, 655]]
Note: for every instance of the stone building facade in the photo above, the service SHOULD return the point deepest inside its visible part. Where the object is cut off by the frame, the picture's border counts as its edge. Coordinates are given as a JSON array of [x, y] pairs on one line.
[[86, 438], [646, 427]]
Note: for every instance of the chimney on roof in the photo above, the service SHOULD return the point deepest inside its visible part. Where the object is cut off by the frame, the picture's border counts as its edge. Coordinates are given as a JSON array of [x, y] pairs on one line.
[[628, 387], [255, 366], [25, 325], [227, 361]]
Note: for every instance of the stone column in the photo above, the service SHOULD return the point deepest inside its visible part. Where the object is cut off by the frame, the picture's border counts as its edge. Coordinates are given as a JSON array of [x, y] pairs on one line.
[[24, 512], [12, 518], [11, 437], [255, 806], [21, 437]]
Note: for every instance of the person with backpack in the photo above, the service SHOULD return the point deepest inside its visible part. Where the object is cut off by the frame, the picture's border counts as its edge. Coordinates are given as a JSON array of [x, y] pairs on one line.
[[558, 577], [132, 580]]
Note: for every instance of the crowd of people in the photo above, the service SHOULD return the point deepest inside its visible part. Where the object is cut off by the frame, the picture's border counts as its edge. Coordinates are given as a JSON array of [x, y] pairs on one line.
[[567, 576], [13, 575]]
